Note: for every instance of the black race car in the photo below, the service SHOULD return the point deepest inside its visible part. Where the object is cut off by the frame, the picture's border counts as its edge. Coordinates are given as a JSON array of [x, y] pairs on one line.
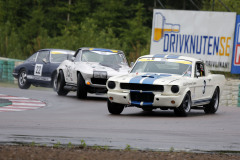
[[40, 68]]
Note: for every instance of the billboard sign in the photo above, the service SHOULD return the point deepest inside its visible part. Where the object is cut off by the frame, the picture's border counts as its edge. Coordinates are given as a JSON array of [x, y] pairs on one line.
[[204, 35], [236, 49]]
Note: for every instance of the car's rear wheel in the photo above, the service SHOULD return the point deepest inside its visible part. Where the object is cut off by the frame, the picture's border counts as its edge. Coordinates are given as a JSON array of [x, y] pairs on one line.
[[115, 108], [22, 80], [185, 106], [212, 107], [81, 87], [60, 84]]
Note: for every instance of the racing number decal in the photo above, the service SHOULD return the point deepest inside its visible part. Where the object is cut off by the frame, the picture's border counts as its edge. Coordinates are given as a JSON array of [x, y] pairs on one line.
[[38, 70], [69, 73], [204, 86]]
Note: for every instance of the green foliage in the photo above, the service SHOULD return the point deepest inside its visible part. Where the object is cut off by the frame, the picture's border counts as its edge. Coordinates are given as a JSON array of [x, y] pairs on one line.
[[83, 144], [33, 144], [171, 149], [57, 145], [233, 6], [128, 147], [100, 147], [70, 145]]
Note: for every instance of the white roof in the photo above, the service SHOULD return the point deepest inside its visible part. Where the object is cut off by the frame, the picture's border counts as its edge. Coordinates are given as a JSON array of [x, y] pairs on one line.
[[170, 56]]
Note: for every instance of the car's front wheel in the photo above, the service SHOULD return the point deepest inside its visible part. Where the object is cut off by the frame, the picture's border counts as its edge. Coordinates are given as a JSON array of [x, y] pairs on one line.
[[81, 87], [185, 106], [22, 80], [212, 107], [115, 108], [60, 84]]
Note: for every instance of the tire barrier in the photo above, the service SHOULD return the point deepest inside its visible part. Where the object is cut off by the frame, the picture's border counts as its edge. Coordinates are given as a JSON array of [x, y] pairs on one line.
[[6, 69], [231, 93]]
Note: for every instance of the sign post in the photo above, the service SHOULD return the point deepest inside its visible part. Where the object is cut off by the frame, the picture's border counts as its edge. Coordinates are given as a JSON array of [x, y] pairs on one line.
[[236, 49]]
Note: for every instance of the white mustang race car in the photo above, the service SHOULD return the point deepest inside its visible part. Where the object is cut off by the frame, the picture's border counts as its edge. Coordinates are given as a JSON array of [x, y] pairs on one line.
[[89, 70], [166, 82]]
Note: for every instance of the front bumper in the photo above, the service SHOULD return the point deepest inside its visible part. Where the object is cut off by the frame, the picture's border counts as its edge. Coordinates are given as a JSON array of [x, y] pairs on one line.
[[159, 100]]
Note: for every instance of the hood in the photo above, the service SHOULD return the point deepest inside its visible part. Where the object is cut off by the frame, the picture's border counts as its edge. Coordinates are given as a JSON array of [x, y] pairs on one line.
[[150, 78], [110, 69]]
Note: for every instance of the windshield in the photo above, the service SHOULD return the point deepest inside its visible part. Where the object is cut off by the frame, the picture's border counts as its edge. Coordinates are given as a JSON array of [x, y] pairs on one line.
[[104, 58], [57, 56], [158, 65]]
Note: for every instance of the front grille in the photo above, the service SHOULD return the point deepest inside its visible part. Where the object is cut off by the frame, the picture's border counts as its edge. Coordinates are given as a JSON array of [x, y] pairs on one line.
[[141, 97], [143, 87], [99, 81]]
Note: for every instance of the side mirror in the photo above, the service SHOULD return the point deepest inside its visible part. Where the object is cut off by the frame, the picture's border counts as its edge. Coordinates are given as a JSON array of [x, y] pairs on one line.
[[72, 59], [44, 60]]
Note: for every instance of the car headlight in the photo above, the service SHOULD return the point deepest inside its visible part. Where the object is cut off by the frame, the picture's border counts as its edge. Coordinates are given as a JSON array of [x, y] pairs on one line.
[[175, 89], [111, 84]]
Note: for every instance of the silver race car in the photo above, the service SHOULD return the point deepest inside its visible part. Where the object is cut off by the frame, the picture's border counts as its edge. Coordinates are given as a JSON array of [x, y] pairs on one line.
[[89, 70]]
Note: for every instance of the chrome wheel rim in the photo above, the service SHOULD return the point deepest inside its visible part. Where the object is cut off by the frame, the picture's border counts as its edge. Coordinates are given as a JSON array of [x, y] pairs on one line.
[[186, 103], [22, 78], [55, 82]]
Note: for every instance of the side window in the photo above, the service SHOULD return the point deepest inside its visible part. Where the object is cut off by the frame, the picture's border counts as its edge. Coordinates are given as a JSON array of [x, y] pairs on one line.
[[42, 55], [200, 70], [32, 58], [78, 56]]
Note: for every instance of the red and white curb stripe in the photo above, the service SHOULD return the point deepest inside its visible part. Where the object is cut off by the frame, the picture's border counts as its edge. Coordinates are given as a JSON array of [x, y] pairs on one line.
[[21, 103]]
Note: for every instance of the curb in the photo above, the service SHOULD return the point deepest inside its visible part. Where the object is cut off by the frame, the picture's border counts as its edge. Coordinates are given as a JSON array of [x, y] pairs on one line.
[[5, 102]]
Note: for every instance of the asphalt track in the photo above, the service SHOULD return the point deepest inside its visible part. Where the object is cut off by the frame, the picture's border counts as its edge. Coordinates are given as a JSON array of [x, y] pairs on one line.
[[67, 119]]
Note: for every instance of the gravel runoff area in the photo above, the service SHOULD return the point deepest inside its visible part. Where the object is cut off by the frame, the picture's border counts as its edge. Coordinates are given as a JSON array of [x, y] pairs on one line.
[[33, 152]]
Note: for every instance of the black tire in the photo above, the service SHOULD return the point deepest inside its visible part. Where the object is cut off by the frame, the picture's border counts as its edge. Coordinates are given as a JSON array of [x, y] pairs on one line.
[[22, 80], [54, 81], [212, 107], [185, 106], [60, 84], [115, 108], [81, 87]]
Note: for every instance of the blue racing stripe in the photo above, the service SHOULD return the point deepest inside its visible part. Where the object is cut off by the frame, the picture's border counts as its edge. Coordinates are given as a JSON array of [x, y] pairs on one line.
[[173, 56], [154, 77], [159, 55], [134, 91], [137, 79], [147, 104], [136, 103], [101, 49]]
